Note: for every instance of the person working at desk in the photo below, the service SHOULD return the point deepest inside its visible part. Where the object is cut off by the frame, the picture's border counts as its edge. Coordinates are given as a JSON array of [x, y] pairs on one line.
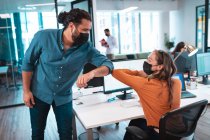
[[157, 90], [51, 66], [110, 44], [179, 48]]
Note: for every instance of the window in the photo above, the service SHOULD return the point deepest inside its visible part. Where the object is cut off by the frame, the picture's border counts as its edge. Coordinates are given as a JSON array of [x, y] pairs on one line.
[[135, 31]]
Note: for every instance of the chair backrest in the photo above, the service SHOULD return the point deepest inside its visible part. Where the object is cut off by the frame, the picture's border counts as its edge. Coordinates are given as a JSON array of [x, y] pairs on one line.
[[181, 122]]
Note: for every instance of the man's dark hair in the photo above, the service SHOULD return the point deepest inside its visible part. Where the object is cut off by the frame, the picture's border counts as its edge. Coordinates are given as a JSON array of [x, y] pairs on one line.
[[106, 30], [75, 15]]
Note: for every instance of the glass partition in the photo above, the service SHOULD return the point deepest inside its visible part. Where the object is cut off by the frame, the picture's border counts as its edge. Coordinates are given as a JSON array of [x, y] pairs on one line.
[[18, 24]]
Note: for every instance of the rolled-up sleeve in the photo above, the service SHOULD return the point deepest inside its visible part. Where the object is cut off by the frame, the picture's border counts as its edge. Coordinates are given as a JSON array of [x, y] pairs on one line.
[[97, 59], [32, 54]]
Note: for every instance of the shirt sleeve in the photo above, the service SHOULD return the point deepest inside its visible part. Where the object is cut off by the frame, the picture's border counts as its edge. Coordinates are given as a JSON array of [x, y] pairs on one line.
[[111, 42], [129, 78], [97, 59], [114, 42], [32, 54]]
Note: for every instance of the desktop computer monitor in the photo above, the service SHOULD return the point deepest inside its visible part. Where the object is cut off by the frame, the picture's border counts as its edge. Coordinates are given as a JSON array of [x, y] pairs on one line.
[[96, 81], [203, 67], [113, 85], [184, 63]]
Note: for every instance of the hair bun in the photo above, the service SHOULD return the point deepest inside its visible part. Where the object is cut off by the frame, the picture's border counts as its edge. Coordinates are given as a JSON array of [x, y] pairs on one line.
[[61, 17]]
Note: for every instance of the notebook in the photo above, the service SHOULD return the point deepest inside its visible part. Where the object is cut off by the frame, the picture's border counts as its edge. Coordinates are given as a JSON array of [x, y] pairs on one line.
[[184, 93]]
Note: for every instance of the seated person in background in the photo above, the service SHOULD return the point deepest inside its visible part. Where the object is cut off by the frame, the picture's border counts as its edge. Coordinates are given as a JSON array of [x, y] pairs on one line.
[[179, 48], [157, 90]]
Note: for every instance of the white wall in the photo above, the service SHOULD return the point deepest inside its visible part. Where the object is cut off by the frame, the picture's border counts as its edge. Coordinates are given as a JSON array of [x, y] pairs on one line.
[[164, 28], [183, 21]]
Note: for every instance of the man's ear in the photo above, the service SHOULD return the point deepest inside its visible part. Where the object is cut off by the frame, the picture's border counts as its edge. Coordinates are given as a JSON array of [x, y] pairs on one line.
[[71, 26]]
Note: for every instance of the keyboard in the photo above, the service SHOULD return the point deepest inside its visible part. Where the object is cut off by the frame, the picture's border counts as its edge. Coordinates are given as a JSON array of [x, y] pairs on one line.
[[187, 94]]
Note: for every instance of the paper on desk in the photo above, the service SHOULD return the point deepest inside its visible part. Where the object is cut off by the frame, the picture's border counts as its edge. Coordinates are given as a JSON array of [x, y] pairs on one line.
[[85, 91]]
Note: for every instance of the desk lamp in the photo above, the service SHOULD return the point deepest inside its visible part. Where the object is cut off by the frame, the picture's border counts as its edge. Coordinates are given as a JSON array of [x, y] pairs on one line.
[[191, 50]]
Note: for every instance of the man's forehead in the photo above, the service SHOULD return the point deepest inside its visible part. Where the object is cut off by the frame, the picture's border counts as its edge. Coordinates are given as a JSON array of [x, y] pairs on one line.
[[85, 24]]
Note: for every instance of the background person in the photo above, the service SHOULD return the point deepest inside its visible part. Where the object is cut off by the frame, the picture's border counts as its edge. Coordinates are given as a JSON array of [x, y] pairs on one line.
[[110, 44], [179, 48]]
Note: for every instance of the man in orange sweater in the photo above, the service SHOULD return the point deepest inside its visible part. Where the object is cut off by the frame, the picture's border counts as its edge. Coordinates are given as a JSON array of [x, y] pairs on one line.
[[157, 90]]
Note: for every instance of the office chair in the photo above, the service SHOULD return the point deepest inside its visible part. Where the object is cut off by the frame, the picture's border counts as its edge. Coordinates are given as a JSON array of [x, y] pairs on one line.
[[175, 124]]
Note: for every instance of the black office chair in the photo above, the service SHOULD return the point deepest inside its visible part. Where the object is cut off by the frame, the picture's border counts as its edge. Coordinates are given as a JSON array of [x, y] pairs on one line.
[[175, 124]]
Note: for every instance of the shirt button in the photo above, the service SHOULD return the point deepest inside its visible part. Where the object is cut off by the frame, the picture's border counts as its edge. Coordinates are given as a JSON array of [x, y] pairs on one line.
[[59, 77], [61, 67]]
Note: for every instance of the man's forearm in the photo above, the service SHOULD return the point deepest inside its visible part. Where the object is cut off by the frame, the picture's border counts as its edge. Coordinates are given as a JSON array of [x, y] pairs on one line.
[[26, 80], [101, 71]]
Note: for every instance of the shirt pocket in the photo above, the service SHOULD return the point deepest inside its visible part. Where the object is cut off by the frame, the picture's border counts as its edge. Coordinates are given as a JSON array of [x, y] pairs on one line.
[[50, 56]]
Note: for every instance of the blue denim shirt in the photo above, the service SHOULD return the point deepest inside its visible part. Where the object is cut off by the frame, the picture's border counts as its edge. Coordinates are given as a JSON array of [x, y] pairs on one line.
[[55, 71]]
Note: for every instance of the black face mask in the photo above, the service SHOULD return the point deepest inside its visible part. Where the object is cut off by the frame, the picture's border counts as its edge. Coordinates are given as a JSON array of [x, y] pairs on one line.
[[80, 39], [147, 68]]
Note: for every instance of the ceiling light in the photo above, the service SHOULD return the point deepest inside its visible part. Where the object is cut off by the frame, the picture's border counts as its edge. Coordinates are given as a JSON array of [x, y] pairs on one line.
[[26, 8], [65, 0], [129, 9], [39, 4], [4, 15]]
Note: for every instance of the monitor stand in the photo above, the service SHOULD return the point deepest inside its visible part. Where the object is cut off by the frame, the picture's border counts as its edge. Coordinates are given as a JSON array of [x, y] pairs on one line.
[[125, 95], [205, 80]]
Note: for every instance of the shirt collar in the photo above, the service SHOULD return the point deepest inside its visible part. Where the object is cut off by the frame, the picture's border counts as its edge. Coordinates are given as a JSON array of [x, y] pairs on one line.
[[60, 33], [61, 40]]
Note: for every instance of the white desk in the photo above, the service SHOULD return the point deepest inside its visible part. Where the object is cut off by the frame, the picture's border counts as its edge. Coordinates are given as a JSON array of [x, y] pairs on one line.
[[4, 70], [95, 111]]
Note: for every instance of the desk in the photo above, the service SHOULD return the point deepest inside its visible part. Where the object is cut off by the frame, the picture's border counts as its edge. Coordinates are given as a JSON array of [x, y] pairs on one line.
[[4, 70], [95, 111]]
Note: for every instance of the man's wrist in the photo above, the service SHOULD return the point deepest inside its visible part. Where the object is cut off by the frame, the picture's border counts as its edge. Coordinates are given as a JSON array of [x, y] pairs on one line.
[[92, 74], [26, 90]]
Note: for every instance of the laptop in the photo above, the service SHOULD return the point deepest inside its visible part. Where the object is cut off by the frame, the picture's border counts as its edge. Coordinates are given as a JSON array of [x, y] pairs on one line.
[[184, 93]]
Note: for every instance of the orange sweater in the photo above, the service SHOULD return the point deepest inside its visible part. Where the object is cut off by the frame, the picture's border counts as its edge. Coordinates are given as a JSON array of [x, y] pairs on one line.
[[153, 94]]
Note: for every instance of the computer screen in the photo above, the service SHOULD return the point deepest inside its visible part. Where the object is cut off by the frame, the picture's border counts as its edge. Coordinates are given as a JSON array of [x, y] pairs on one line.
[[96, 81], [203, 67], [184, 63], [113, 85], [181, 78]]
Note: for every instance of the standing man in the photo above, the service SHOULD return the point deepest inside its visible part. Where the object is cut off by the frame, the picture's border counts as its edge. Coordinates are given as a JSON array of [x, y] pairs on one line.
[[51, 66], [110, 44]]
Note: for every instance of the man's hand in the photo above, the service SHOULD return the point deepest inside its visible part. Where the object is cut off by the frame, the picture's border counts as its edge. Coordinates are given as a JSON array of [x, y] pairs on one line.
[[83, 79], [106, 45], [28, 99]]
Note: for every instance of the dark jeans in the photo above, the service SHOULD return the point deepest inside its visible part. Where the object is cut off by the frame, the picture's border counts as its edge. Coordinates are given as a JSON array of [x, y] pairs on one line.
[[141, 123], [63, 115]]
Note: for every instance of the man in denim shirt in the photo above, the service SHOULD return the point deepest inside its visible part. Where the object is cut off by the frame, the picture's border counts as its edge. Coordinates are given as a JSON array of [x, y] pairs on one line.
[[51, 66]]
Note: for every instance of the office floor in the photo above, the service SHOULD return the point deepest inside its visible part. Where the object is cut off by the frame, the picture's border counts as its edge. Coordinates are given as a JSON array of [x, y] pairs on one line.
[[15, 123]]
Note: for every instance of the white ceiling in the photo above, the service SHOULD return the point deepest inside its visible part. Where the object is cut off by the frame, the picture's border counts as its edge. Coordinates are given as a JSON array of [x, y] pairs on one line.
[[10, 6]]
